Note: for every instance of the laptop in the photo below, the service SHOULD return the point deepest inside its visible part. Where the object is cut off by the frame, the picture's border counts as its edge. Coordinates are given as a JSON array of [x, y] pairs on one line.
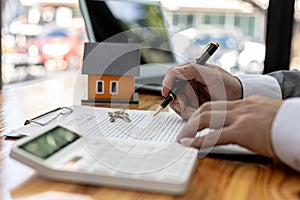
[[133, 21]]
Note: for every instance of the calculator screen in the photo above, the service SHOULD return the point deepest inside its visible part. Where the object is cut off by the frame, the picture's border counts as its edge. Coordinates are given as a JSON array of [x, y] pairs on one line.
[[50, 142]]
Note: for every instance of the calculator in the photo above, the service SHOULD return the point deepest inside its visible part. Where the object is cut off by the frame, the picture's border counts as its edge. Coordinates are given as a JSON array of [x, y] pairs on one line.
[[61, 154]]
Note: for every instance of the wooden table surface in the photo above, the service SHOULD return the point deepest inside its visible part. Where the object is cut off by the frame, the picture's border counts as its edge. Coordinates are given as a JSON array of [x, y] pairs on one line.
[[214, 178]]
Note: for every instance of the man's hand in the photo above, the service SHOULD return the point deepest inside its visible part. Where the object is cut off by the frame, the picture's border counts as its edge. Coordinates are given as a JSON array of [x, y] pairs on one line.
[[207, 83], [246, 122]]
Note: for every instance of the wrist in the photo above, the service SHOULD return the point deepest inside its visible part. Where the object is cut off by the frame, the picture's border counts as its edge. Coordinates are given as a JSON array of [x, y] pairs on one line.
[[240, 91], [235, 89]]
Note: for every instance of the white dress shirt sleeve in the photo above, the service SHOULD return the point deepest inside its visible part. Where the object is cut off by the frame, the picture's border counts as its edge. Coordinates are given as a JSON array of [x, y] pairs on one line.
[[285, 132], [260, 85]]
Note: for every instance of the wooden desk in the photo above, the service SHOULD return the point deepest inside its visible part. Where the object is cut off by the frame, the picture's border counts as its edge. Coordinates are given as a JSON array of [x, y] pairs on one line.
[[215, 178]]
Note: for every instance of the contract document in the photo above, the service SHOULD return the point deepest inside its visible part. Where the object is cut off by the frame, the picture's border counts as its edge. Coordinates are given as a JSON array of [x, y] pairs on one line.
[[95, 122]]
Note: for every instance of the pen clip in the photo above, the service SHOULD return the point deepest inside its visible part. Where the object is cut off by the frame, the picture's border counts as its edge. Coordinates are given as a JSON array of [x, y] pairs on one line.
[[64, 111], [205, 49]]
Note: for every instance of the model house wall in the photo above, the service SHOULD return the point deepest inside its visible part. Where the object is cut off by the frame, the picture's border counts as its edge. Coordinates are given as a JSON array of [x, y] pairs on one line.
[[110, 87], [111, 68]]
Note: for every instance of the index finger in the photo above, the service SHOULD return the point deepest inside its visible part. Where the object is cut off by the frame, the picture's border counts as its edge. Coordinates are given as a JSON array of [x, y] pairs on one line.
[[215, 137], [172, 75]]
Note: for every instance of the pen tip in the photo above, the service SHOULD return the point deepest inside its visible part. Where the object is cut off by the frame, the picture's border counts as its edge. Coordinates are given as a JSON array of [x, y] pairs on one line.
[[158, 110]]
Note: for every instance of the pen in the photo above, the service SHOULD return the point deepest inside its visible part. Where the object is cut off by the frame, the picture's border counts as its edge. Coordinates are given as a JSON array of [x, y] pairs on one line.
[[201, 60]]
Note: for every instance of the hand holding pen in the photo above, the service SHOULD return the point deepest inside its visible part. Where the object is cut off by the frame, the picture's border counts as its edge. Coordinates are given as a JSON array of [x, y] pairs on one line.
[[180, 84]]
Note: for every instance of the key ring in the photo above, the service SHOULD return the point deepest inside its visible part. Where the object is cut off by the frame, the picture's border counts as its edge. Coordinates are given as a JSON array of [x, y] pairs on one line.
[[122, 114]]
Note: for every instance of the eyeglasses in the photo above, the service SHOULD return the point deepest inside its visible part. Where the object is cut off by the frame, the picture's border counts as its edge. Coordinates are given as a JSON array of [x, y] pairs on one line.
[[50, 116]]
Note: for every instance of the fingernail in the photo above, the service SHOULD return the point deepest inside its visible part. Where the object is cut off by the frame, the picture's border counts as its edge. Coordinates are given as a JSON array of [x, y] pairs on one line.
[[179, 70], [186, 141], [165, 91]]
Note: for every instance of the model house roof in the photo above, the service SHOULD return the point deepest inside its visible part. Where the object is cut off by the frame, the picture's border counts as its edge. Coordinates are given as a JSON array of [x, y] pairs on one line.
[[119, 59]]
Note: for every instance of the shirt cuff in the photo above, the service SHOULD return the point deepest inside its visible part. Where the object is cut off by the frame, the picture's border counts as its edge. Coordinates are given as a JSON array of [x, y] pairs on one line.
[[260, 85], [285, 135]]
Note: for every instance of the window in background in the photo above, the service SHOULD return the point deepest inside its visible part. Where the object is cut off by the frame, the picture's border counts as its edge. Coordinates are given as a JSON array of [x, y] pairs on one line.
[[40, 38], [183, 21], [31, 27], [239, 26], [214, 18], [246, 23]]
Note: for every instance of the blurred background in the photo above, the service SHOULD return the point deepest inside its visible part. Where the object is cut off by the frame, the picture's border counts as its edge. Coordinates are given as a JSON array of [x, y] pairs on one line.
[[42, 38]]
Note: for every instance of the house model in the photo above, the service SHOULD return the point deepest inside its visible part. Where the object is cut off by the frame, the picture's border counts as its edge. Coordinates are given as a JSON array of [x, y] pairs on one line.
[[111, 68]]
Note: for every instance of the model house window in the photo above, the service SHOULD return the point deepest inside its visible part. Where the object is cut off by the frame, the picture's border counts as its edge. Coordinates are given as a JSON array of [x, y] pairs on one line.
[[100, 87], [113, 87]]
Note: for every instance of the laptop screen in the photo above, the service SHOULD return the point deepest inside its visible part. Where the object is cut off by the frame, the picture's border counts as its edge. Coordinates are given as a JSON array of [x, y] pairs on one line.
[[129, 22]]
